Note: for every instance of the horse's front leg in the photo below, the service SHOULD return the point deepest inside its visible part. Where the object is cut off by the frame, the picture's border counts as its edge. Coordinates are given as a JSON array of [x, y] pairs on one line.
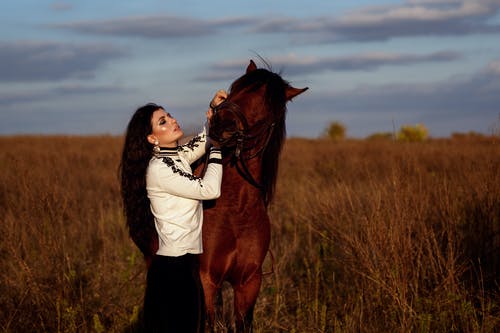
[[210, 293], [245, 297]]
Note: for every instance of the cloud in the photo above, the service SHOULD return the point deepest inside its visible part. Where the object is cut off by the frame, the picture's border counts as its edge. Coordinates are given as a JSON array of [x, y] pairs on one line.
[[18, 97], [60, 6], [295, 65], [363, 62], [21, 96], [45, 61], [466, 94], [459, 103], [370, 23], [413, 18], [422, 11], [65, 109], [164, 26]]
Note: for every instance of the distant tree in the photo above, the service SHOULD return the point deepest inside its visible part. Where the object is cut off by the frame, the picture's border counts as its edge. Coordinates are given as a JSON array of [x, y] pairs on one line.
[[409, 133], [335, 131], [380, 136]]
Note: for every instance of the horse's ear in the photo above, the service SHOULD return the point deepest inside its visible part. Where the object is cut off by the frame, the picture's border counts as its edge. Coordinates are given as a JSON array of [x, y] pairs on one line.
[[251, 67], [291, 92]]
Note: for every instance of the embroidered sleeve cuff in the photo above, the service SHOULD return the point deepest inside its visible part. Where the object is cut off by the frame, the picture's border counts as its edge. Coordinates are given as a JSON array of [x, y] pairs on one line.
[[215, 155]]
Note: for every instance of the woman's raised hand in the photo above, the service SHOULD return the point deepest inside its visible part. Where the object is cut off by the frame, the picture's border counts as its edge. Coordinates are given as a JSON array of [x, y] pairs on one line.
[[220, 96]]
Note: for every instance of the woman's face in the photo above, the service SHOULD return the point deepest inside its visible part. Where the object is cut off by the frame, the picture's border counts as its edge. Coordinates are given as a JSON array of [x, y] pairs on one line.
[[166, 131]]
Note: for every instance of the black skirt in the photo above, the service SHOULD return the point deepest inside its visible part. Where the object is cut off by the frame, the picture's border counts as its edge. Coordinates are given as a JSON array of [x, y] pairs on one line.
[[174, 296]]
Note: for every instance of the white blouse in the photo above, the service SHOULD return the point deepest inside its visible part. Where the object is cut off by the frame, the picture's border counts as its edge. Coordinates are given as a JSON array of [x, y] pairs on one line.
[[176, 195]]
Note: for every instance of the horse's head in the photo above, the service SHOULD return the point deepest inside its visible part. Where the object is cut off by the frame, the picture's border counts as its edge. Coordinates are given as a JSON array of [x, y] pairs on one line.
[[254, 110], [251, 122]]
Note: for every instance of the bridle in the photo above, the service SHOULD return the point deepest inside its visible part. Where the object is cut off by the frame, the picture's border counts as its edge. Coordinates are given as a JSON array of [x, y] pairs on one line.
[[244, 139]]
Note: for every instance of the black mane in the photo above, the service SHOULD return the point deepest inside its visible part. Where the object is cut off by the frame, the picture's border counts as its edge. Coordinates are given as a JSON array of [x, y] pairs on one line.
[[275, 101]]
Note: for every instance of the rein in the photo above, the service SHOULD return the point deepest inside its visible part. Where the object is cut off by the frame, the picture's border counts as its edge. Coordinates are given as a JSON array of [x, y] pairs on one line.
[[244, 139]]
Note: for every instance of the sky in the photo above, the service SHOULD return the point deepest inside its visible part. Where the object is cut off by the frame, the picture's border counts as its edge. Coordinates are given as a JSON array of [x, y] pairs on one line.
[[84, 67]]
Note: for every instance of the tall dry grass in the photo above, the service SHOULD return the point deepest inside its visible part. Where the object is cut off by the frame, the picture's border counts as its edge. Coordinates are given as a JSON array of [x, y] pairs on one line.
[[66, 260], [367, 237]]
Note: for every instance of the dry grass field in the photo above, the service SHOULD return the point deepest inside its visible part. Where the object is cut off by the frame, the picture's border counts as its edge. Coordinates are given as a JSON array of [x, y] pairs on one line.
[[368, 236]]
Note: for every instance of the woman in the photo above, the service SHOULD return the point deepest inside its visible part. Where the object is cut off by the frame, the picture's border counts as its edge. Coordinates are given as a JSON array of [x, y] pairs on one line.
[[162, 204]]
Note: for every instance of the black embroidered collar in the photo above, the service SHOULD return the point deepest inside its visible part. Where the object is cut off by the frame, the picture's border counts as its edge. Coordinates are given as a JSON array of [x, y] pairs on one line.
[[167, 152]]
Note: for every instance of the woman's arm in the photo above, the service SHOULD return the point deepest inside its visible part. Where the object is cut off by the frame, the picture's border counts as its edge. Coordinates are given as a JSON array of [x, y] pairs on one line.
[[168, 177], [196, 147]]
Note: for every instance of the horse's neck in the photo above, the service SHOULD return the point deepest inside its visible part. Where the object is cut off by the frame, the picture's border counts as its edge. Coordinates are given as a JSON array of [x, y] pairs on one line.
[[234, 177], [254, 166]]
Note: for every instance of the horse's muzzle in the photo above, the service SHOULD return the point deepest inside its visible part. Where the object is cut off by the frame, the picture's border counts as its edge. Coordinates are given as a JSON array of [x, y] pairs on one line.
[[224, 130]]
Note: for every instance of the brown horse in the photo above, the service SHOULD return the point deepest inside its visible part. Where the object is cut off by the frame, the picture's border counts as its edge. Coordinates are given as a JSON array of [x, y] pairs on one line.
[[250, 127]]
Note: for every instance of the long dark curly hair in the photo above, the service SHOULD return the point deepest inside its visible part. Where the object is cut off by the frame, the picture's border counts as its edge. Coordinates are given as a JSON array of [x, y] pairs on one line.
[[137, 152]]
